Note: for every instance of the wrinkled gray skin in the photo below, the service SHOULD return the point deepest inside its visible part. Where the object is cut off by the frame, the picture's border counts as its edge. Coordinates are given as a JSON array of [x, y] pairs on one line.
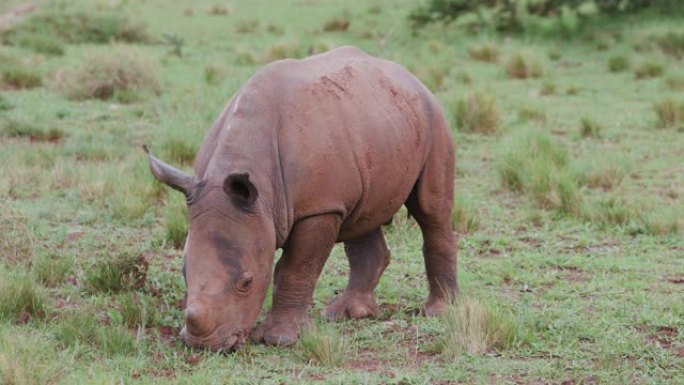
[[309, 153]]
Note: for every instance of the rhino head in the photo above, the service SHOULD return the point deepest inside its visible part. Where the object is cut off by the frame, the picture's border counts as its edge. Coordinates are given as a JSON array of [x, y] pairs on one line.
[[228, 255]]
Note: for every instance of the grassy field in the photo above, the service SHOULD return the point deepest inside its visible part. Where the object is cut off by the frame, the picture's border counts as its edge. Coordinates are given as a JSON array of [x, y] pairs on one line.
[[570, 198]]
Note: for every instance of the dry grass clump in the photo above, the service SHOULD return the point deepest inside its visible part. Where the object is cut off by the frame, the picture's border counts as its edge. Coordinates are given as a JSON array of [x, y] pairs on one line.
[[245, 26], [523, 65], [675, 83], [464, 216], [45, 44], [433, 76], [324, 346], [669, 112], [283, 50], [486, 52], [526, 114], [116, 273], [618, 63], [589, 128], [218, 10], [17, 241], [548, 88], [123, 75], [649, 69], [601, 172], [339, 24], [613, 210], [470, 327], [533, 164], [51, 269], [477, 112]]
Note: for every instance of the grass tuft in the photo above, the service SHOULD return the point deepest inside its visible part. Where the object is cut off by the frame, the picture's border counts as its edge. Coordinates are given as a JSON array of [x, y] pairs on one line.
[[649, 69], [51, 269], [21, 297], [618, 63], [671, 43], [487, 52], [122, 75], [339, 24], [17, 241], [477, 112], [533, 164], [527, 114], [40, 43], [523, 65], [22, 129], [116, 273], [589, 128], [669, 112], [464, 215], [470, 327], [283, 50], [17, 75], [324, 346], [176, 221], [26, 359], [136, 310], [433, 76], [78, 328]]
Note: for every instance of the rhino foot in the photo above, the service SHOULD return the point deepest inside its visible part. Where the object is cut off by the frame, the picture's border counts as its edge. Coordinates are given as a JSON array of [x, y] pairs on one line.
[[351, 305], [277, 333], [435, 307]]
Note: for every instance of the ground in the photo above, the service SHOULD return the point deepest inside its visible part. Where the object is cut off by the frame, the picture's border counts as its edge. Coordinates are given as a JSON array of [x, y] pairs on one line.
[[594, 301]]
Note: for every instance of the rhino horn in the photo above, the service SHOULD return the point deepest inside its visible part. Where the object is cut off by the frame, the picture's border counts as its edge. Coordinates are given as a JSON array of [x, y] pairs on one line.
[[167, 174]]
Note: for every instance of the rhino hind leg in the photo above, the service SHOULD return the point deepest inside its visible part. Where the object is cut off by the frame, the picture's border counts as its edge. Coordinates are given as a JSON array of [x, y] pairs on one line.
[[296, 274], [430, 203], [368, 257]]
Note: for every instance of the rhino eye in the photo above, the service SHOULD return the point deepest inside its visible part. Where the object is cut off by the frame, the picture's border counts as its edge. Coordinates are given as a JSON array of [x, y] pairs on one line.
[[244, 284]]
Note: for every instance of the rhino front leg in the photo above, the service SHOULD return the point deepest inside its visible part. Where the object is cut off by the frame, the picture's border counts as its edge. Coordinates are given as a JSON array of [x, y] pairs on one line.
[[296, 274], [368, 257]]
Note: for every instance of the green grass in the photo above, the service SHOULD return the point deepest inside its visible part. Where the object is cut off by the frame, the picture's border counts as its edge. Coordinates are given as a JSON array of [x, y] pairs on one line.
[[477, 112], [570, 237]]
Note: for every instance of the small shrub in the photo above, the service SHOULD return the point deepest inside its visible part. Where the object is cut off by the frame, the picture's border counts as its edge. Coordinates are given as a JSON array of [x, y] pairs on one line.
[[122, 75], [669, 112], [21, 129], [477, 112], [21, 298], [51, 269], [486, 52], [470, 327], [337, 24], [324, 347], [464, 216], [524, 65], [649, 69], [125, 271], [618, 63], [176, 222], [590, 128]]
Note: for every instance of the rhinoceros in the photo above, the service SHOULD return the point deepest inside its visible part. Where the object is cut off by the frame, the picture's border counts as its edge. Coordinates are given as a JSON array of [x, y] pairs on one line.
[[309, 153]]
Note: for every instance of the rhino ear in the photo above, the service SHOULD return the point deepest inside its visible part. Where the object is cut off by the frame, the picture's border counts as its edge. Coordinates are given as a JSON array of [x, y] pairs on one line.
[[169, 175], [239, 187]]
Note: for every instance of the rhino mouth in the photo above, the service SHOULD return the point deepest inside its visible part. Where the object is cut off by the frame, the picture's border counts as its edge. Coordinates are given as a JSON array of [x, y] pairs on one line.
[[220, 340]]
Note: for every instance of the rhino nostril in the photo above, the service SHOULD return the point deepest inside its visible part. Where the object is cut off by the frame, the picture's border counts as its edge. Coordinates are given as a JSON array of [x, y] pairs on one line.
[[194, 320]]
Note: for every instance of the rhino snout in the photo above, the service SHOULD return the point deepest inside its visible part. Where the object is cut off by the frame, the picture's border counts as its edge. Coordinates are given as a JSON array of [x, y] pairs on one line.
[[197, 322]]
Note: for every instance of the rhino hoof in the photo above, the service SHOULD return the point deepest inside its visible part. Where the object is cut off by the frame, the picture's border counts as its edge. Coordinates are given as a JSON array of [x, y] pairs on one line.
[[352, 306]]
